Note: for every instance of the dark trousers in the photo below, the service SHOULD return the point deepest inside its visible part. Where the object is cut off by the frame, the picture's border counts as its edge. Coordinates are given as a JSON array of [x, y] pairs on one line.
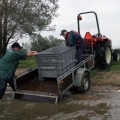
[[79, 55], [3, 85]]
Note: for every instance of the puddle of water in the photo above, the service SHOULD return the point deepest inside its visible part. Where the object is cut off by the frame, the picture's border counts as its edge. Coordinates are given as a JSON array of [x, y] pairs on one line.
[[94, 105]]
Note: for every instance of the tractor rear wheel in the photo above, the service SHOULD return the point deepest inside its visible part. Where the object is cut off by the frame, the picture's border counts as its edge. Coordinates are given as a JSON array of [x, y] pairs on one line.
[[116, 55], [104, 55]]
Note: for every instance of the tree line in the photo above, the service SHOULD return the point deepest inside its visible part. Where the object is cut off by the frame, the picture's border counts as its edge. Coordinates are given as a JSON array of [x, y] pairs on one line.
[[40, 43]]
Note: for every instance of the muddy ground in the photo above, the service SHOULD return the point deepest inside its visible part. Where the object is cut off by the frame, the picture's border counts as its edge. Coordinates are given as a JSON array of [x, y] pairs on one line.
[[102, 102]]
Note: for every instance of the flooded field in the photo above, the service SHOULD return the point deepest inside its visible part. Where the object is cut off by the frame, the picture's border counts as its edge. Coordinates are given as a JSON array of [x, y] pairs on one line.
[[94, 105]]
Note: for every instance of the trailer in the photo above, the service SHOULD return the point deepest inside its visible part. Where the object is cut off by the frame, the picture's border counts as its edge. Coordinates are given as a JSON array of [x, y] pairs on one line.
[[29, 87]]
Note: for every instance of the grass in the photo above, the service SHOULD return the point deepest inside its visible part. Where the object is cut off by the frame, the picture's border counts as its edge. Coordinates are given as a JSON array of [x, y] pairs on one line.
[[105, 76], [115, 67], [30, 62]]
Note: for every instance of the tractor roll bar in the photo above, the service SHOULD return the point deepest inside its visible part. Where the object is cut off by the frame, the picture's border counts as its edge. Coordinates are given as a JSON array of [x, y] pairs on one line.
[[96, 21]]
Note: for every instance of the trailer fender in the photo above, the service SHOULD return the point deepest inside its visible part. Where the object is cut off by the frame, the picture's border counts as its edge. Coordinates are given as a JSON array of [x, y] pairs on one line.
[[79, 75]]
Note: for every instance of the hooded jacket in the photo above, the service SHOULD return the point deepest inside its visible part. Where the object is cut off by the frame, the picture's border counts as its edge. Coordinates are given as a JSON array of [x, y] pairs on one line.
[[9, 63]]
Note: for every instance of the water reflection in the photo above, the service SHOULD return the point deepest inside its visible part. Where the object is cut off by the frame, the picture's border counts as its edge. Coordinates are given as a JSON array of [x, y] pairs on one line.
[[95, 105]]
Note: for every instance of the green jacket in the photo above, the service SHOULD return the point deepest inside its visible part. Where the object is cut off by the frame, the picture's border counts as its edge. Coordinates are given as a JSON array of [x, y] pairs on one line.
[[9, 63]]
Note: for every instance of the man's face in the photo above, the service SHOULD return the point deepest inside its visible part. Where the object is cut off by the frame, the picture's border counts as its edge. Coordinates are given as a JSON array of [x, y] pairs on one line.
[[17, 48], [64, 34]]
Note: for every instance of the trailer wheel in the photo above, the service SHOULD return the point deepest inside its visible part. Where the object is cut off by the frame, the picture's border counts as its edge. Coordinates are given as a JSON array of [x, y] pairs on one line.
[[104, 55], [85, 83], [116, 55]]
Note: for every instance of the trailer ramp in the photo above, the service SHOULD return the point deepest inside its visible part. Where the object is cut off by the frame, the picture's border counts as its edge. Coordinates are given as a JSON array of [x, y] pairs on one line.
[[35, 97]]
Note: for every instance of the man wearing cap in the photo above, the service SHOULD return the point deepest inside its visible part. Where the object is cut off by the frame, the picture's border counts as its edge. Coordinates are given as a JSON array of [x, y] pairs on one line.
[[73, 38], [9, 63]]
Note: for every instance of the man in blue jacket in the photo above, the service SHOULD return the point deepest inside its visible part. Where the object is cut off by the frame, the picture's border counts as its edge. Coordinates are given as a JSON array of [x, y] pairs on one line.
[[73, 38], [9, 63]]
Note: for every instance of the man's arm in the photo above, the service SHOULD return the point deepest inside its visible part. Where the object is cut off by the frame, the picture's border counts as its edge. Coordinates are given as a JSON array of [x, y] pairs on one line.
[[31, 53]]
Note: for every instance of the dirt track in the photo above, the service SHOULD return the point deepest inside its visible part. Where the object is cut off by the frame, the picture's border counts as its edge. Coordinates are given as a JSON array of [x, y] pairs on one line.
[[20, 71], [106, 81]]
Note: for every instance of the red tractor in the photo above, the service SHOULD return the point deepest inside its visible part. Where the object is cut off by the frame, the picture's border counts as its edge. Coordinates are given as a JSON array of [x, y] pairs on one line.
[[98, 44]]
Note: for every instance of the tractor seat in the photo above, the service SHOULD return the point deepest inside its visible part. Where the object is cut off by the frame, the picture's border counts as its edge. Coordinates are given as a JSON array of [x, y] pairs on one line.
[[88, 36]]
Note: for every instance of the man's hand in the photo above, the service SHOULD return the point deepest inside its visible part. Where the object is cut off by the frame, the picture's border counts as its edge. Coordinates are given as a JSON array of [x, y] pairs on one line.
[[32, 53], [35, 52]]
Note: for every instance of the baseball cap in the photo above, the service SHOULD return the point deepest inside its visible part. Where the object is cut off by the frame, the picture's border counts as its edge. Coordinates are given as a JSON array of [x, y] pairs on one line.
[[62, 31], [15, 44]]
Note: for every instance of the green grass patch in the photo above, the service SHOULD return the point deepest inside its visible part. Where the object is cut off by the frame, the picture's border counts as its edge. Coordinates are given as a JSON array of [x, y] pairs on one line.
[[97, 73], [30, 62], [93, 72], [115, 67]]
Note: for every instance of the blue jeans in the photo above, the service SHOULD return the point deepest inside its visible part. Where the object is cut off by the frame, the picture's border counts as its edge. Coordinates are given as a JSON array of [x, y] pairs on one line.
[[79, 55]]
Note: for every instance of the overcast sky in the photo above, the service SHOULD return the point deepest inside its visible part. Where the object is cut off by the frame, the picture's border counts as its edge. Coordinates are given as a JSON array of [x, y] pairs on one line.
[[108, 12]]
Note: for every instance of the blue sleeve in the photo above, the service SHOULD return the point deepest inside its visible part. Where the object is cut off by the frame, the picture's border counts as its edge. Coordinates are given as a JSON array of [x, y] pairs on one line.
[[67, 44], [76, 35], [72, 40], [73, 37]]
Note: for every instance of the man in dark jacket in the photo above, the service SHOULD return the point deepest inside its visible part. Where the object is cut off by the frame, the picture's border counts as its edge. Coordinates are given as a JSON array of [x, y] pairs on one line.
[[9, 63], [73, 38]]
